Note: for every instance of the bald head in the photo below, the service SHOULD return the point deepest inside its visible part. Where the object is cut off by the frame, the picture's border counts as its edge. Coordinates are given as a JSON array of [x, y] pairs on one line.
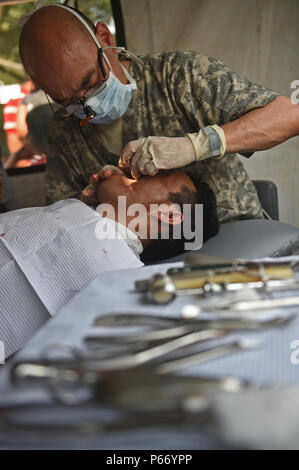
[[55, 48]]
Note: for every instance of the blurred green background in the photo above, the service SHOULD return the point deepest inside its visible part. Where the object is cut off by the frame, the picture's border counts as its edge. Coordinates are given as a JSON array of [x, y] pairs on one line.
[[9, 37]]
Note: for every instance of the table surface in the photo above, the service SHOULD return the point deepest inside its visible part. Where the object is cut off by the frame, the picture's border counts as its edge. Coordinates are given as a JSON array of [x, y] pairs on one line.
[[114, 292]]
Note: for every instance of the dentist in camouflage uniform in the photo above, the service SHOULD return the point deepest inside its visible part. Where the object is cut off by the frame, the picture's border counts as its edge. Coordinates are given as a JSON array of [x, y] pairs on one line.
[[157, 111]]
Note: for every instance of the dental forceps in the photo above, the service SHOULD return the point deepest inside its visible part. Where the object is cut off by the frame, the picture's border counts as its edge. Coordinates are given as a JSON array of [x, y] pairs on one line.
[[168, 334], [158, 356], [103, 379], [184, 330], [167, 345], [163, 327], [127, 361]]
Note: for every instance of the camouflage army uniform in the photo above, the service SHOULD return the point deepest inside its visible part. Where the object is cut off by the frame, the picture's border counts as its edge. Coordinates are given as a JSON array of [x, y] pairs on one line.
[[178, 92]]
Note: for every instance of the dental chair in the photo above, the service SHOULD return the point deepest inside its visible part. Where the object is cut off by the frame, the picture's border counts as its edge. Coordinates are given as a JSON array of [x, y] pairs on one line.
[[253, 238]]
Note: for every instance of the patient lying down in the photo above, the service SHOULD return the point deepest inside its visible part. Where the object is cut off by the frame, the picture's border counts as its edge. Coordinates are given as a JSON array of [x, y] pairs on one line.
[[48, 254], [163, 215]]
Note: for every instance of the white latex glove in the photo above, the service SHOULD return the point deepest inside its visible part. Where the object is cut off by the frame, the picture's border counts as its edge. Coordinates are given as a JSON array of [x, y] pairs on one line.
[[146, 156]]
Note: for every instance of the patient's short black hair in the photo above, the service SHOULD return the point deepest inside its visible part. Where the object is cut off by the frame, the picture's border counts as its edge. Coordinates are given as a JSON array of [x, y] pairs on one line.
[[162, 249]]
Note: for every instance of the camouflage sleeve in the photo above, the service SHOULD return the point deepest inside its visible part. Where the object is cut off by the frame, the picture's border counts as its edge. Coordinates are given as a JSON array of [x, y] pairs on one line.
[[62, 179], [220, 94]]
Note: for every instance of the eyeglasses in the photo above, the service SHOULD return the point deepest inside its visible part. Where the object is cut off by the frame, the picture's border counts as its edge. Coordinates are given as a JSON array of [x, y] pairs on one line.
[[91, 92]]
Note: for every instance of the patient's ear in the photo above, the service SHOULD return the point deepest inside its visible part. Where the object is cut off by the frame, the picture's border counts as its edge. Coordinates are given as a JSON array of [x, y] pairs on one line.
[[169, 214]]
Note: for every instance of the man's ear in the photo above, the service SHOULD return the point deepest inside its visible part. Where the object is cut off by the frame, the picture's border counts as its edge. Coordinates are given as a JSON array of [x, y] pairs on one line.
[[169, 214], [104, 36]]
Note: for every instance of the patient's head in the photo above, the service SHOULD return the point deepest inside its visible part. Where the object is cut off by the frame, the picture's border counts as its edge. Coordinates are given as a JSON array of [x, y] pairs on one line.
[[154, 207]]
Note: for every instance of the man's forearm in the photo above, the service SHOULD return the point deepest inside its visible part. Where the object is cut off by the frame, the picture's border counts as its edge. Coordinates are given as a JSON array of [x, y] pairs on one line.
[[259, 129], [263, 128]]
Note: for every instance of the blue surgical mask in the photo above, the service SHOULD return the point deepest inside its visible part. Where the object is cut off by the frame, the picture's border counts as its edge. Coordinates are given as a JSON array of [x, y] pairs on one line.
[[112, 102]]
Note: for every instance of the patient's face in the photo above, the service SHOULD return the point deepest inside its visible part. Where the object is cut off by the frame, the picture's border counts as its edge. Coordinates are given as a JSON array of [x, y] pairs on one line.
[[151, 192], [146, 190]]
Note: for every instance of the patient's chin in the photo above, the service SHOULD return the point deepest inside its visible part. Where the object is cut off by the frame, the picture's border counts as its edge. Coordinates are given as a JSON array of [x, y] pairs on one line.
[[90, 200]]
